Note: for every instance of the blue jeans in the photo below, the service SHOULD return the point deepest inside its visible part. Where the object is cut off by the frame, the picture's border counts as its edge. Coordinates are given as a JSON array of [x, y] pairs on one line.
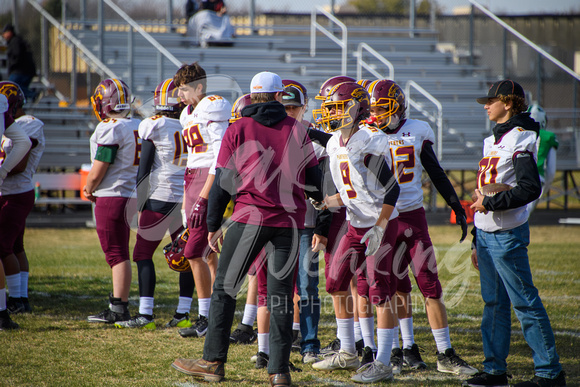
[[506, 278], [307, 285], [23, 81]]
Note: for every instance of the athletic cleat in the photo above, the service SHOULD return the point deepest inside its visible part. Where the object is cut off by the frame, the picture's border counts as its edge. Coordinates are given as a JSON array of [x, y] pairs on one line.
[[198, 329], [6, 322], [397, 361], [26, 303], [310, 357], [296, 339], [373, 372], [244, 334], [262, 360], [332, 348], [537, 381], [179, 320], [138, 321], [368, 356], [14, 305], [451, 363], [412, 358], [117, 311], [340, 360], [483, 379], [359, 346]]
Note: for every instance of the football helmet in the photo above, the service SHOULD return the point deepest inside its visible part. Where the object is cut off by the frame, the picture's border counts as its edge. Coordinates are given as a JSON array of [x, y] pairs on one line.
[[298, 85], [240, 103], [330, 83], [111, 95], [13, 94], [346, 104], [389, 96], [538, 114], [364, 83], [166, 99], [174, 252]]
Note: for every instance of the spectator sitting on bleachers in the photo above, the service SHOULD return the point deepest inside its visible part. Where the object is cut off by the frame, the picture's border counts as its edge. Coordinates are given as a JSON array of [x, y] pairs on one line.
[[211, 24]]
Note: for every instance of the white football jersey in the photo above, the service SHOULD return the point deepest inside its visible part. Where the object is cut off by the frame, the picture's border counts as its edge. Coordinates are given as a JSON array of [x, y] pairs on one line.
[[121, 176], [497, 166], [166, 178], [203, 130], [405, 148], [23, 182], [359, 189]]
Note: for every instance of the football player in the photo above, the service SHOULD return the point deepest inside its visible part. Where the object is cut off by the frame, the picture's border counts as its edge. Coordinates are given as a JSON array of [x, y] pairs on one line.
[[360, 167], [412, 152], [159, 200], [502, 237], [204, 121], [17, 199], [110, 185]]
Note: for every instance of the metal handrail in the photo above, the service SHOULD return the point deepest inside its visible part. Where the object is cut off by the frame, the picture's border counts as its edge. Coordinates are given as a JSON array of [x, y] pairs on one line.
[[526, 40], [143, 33], [437, 120], [96, 64], [343, 43], [360, 63]]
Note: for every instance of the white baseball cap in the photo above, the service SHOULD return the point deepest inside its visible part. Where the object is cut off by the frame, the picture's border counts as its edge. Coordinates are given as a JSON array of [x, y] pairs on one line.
[[266, 82]]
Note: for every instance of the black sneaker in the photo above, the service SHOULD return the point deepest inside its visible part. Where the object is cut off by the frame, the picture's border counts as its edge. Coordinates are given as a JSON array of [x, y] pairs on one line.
[[117, 311], [397, 361], [296, 339], [451, 363], [368, 356], [262, 360], [244, 334], [198, 329], [359, 346], [14, 305], [332, 348], [538, 381], [6, 322], [26, 304], [412, 358], [482, 379]]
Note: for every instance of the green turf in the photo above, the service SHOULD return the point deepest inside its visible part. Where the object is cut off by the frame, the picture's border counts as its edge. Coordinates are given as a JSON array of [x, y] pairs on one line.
[[70, 280]]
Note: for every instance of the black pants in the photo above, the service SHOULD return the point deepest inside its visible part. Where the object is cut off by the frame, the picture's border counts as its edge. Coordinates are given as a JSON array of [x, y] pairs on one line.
[[242, 243]]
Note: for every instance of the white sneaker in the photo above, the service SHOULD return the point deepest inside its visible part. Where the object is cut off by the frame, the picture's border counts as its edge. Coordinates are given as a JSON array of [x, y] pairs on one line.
[[373, 372], [450, 362], [342, 360]]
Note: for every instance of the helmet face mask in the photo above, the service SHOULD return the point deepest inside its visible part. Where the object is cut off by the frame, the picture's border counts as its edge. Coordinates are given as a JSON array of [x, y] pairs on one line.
[[166, 99], [389, 96], [345, 106], [112, 96], [14, 95]]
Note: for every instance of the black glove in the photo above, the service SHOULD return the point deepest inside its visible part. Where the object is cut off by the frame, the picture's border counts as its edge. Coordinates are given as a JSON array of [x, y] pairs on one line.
[[460, 219]]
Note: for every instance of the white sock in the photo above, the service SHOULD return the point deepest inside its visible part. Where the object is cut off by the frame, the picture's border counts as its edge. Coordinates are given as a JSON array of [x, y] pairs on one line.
[[24, 284], [2, 299], [367, 326], [385, 341], [442, 339], [407, 334], [358, 335], [395, 337], [264, 343], [184, 305], [203, 306], [295, 326], [345, 327], [250, 313], [13, 285], [146, 305]]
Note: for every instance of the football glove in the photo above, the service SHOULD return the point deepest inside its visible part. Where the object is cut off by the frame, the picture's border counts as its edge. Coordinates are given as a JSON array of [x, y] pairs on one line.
[[199, 212], [318, 205], [374, 237]]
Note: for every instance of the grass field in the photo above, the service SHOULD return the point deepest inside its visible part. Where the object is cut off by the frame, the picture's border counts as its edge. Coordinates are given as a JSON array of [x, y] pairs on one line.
[[70, 280]]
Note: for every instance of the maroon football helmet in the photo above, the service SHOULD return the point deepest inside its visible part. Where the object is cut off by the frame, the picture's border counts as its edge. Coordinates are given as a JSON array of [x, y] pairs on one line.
[[364, 83], [298, 85], [346, 104], [330, 83], [166, 99], [111, 96], [174, 253], [389, 96], [13, 94], [240, 103]]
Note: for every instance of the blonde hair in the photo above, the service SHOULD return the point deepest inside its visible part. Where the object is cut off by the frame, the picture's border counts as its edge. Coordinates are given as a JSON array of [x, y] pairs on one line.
[[262, 97]]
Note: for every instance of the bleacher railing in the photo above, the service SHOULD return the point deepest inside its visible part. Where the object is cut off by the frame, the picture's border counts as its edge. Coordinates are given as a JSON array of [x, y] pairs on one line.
[[361, 63], [342, 43], [436, 117]]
